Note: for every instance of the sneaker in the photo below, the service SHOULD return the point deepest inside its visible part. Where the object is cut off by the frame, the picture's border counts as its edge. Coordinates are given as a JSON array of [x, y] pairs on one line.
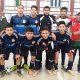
[[14, 68], [71, 72], [25, 66], [2, 73], [50, 72], [30, 72], [55, 72], [35, 73]]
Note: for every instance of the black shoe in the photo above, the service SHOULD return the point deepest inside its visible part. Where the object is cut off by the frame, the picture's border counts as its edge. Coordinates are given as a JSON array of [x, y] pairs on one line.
[[2, 73]]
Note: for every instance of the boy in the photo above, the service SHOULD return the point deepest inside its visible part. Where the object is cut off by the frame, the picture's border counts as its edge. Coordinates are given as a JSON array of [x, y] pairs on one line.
[[34, 20], [46, 19], [63, 42], [28, 42], [44, 43], [10, 43], [75, 29]]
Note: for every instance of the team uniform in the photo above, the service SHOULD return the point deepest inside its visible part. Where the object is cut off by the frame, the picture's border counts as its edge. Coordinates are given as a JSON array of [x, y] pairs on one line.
[[20, 24], [44, 44], [34, 23], [47, 20], [10, 44], [27, 45], [76, 41], [68, 23], [63, 42]]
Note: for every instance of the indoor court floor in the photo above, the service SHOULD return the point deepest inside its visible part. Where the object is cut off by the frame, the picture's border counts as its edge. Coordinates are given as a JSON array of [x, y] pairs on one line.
[[61, 75]]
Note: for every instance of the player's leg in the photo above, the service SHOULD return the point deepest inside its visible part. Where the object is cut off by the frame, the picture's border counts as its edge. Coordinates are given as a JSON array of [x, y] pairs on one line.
[[79, 62], [49, 61]]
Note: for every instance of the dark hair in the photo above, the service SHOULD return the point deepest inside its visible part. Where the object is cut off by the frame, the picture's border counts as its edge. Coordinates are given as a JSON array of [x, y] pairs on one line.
[[47, 7], [34, 6], [64, 8], [8, 26], [78, 14], [61, 22], [20, 5], [29, 29], [45, 28]]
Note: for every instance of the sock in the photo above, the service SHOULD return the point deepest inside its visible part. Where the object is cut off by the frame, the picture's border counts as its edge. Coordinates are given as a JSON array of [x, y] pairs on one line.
[[70, 64], [56, 66], [32, 64]]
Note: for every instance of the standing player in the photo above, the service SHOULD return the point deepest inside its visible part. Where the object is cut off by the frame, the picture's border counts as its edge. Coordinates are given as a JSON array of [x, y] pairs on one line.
[[28, 42], [34, 20], [63, 41], [46, 19], [75, 29], [10, 44], [64, 17], [19, 21]]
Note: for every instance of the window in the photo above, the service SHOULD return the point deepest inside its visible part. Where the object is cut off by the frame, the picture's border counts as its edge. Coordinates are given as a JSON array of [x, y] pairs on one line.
[[55, 3]]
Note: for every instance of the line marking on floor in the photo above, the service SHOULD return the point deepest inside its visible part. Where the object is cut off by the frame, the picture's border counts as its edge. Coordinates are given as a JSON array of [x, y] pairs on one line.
[[61, 78]]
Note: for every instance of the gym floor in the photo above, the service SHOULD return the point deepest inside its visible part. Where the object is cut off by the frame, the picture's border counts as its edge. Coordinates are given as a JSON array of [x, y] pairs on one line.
[[43, 75]]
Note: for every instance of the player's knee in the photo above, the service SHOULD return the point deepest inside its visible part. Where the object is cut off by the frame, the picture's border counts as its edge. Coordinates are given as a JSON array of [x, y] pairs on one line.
[[33, 58], [1, 57]]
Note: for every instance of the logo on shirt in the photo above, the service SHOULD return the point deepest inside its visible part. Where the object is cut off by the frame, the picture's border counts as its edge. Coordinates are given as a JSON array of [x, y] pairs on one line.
[[24, 21], [36, 21], [13, 40]]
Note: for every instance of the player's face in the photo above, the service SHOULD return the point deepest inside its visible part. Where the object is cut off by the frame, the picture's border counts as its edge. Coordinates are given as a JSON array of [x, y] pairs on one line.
[[33, 11], [46, 11], [29, 35], [63, 13], [20, 9], [9, 31], [45, 34], [62, 28]]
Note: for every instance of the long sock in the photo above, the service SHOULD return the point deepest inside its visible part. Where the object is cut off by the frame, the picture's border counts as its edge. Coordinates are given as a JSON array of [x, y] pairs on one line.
[[70, 64], [1, 67], [32, 64], [56, 66]]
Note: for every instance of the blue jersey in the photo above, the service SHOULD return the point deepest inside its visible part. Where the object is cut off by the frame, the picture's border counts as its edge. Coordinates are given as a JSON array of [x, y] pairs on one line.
[[10, 42], [25, 42], [34, 23], [63, 40], [20, 24]]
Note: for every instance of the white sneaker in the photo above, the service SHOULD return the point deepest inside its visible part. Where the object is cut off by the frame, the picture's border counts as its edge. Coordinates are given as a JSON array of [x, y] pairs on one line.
[[35, 73], [50, 72]]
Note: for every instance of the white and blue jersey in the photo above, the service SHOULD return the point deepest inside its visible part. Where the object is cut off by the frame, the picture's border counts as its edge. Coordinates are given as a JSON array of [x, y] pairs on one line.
[[20, 24]]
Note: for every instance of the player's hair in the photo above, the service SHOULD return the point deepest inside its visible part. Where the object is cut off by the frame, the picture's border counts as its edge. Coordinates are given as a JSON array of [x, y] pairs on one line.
[[34, 6], [45, 28], [64, 8], [29, 29], [21, 5], [8, 26], [61, 22], [46, 7]]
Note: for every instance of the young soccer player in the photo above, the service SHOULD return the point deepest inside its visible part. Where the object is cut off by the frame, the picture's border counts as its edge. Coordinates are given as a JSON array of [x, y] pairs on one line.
[[10, 44], [44, 43], [63, 41], [28, 42]]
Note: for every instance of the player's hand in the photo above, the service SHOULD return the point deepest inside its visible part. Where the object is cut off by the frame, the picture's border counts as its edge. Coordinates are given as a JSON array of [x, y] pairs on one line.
[[33, 42], [53, 36], [44, 44]]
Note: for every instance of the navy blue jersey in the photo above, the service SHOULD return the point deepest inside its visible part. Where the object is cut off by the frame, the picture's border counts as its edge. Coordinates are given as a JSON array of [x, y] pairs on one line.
[[34, 23], [10, 42], [63, 39], [20, 24], [44, 42], [28, 43]]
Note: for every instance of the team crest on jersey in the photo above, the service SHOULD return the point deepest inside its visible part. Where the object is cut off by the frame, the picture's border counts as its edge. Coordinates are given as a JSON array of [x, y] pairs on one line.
[[13, 40], [36, 21], [33, 42], [24, 21], [64, 40]]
